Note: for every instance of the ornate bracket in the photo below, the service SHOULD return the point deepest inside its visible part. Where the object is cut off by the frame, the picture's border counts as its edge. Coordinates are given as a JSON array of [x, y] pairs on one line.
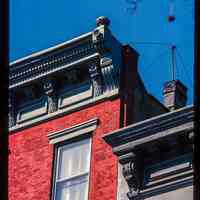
[[191, 141], [130, 175], [101, 35], [98, 39], [50, 91], [132, 171], [96, 77], [11, 107]]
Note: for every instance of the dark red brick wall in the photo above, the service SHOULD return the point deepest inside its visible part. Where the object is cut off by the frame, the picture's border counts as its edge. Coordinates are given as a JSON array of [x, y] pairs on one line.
[[31, 155], [129, 81]]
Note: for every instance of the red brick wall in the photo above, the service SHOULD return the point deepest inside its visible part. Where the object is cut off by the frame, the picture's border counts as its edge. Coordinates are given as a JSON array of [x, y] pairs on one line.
[[31, 155]]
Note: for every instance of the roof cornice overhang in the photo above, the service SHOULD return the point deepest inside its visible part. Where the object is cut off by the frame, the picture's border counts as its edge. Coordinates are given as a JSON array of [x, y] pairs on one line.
[[61, 57], [35, 57], [161, 142], [51, 60], [41, 73], [160, 127]]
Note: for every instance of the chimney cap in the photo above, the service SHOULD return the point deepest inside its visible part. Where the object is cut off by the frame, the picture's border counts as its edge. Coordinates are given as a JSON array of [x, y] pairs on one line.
[[175, 94], [172, 85], [102, 20]]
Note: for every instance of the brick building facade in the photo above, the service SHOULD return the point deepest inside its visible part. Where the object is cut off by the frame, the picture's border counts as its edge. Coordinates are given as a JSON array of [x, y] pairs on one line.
[[63, 100]]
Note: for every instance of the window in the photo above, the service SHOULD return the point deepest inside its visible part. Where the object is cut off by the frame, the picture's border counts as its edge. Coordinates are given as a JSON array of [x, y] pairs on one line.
[[72, 79], [72, 171], [72, 166]]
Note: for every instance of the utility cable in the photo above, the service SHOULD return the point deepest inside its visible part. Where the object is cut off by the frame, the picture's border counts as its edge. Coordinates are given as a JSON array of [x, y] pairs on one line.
[[154, 61], [184, 67], [152, 43]]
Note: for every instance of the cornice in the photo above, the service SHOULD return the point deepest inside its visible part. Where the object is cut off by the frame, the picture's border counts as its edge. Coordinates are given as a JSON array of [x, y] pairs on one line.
[[61, 56], [42, 53], [154, 153], [32, 73], [52, 64], [150, 126], [58, 74]]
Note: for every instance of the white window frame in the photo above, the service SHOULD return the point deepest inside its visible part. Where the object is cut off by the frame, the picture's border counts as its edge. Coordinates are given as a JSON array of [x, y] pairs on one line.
[[84, 175], [69, 137]]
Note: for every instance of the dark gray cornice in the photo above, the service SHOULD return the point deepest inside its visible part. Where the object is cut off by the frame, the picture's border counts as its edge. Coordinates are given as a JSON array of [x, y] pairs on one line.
[[151, 129], [153, 153], [31, 73], [60, 57]]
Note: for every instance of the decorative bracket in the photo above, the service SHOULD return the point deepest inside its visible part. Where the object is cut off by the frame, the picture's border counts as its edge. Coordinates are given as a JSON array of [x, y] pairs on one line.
[[101, 36], [50, 91], [98, 39], [97, 80], [132, 172], [191, 141], [11, 107]]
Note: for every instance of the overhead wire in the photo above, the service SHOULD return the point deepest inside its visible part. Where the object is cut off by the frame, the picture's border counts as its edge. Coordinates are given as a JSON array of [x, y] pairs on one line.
[[162, 54], [153, 43], [184, 67], [146, 68]]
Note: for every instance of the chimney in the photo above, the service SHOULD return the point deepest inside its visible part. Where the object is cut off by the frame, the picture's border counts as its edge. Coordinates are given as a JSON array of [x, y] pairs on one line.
[[175, 94]]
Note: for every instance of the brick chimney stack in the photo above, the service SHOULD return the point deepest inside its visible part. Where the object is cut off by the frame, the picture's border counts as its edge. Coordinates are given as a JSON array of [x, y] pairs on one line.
[[175, 94]]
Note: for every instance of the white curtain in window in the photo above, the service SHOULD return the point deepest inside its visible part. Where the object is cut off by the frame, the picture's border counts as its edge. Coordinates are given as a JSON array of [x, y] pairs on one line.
[[73, 171], [74, 159]]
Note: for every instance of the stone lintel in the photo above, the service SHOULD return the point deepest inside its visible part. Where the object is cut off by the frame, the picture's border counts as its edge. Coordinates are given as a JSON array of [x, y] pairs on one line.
[[74, 131]]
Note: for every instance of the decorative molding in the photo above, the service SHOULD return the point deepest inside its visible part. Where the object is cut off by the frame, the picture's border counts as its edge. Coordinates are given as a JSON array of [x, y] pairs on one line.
[[31, 73], [67, 44], [65, 110], [69, 97], [109, 77], [168, 122], [164, 133], [167, 187], [11, 112], [60, 57], [168, 175], [96, 77], [34, 109], [85, 51], [98, 38], [130, 175], [142, 140], [50, 91], [74, 131], [132, 169], [168, 170]]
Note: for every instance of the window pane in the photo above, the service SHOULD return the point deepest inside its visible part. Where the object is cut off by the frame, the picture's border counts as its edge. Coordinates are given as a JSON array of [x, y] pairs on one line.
[[75, 189], [74, 159]]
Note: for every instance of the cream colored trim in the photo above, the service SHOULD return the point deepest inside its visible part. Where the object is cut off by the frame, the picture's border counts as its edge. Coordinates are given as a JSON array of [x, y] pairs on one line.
[[72, 132]]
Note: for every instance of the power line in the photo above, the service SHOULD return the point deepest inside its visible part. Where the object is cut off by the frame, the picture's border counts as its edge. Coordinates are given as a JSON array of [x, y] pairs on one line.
[[153, 43], [184, 67], [155, 60]]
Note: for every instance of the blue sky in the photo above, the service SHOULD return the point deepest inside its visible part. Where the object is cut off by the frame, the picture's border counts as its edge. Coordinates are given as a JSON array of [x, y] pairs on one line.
[[39, 24]]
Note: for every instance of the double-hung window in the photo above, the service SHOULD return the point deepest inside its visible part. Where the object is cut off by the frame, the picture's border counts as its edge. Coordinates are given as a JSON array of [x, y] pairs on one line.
[[72, 171]]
